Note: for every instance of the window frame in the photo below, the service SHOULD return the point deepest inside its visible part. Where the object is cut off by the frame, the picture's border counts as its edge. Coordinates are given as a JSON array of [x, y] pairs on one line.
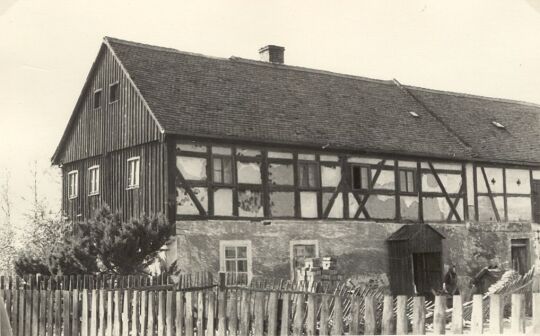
[[100, 92], [72, 194], [369, 176], [413, 173], [301, 242], [96, 190], [221, 158], [131, 185], [317, 176], [117, 84], [223, 244]]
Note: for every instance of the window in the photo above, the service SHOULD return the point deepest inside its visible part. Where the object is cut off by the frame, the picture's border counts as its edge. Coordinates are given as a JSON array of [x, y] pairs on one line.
[[133, 172], [73, 184], [407, 180], [235, 259], [300, 250], [113, 92], [222, 170], [361, 177], [93, 173], [308, 175], [97, 99]]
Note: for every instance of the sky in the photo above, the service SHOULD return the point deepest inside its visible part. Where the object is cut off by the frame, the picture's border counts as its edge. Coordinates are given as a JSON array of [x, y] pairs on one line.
[[489, 48]]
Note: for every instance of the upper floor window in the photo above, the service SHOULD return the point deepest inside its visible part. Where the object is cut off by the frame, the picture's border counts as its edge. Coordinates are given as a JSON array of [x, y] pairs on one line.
[[308, 175], [93, 173], [97, 98], [222, 170], [133, 172], [361, 177], [114, 92], [407, 181], [73, 184]]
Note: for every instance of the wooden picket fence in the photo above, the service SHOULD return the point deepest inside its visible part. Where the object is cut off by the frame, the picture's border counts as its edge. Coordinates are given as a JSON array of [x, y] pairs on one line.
[[236, 310]]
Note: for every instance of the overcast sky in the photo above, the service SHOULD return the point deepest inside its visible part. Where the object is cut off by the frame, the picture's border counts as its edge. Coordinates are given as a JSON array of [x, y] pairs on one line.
[[489, 48]]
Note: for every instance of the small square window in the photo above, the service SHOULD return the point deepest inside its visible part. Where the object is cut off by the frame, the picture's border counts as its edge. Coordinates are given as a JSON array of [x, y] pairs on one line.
[[133, 172], [93, 173], [407, 181], [73, 184], [113, 92], [223, 170], [361, 177], [97, 99], [308, 175], [235, 260]]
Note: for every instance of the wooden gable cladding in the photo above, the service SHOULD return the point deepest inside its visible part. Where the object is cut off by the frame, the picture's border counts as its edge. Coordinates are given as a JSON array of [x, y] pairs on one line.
[[123, 123], [148, 198]]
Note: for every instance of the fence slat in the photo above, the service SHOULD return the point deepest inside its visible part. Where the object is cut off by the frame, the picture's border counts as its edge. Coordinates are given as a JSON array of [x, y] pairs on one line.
[[370, 323], [93, 312], [180, 313], [285, 326], [35, 312], [58, 313], [101, 316], [355, 318], [298, 315], [109, 312], [259, 313], [28, 312], [84, 313], [439, 316], [66, 310], [22, 305], [135, 310], [311, 319], [536, 313], [457, 315], [419, 315], [402, 324], [518, 319], [200, 313], [43, 312], [337, 328], [387, 324], [210, 320], [169, 313], [15, 310], [272, 314], [245, 314], [477, 318], [161, 314], [125, 311], [150, 315], [222, 314], [189, 314], [495, 314], [144, 311], [232, 310]]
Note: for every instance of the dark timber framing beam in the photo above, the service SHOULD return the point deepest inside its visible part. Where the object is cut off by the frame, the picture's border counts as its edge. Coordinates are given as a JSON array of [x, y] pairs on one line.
[[184, 184], [362, 205], [443, 189], [490, 194]]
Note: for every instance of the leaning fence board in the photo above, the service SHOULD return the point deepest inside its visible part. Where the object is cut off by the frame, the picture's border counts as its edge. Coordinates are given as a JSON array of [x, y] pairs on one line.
[[457, 315], [518, 318], [298, 315], [439, 316], [337, 318], [477, 319], [402, 324]]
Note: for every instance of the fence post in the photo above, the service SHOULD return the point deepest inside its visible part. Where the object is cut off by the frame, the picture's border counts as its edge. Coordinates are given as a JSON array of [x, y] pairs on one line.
[[245, 314], [402, 324], [189, 314], [457, 315], [259, 313], [285, 326], [210, 328], [495, 314], [370, 323], [125, 310], [35, 312], [337, 328], [518, 320], [387, 325], [93, 313], [22, 305], [110, 312], [272, 314], [419, 315], [180, 314], [477, 318], [58, 312], [135, 311], [222, 315], [200, 311], [355, 318], [439, 315], [28, 310], [84, 312], [117, 317], [232, 307], [299, 315], [324, 316], [150, 315], [161, 313], [311, 319], [536, 313], [43, 312]]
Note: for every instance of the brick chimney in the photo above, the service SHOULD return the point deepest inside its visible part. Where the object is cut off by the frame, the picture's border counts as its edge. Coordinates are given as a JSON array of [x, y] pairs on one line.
[[272, 54]]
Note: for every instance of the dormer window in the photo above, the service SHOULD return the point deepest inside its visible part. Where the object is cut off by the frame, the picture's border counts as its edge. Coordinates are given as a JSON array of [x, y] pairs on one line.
[[113, 92], [97, 98]]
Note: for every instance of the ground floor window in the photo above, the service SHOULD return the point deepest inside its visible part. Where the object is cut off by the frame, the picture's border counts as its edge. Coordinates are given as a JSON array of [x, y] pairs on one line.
[[300, 250], [235, 260], [520, 255]]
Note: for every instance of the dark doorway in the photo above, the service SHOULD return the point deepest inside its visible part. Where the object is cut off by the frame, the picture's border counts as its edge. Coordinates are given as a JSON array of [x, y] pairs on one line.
[[520, 255], [536, 201], [427, 273]]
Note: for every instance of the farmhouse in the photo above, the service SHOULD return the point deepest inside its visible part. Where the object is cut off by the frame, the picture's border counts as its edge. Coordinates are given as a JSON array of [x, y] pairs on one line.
[[262, 165]]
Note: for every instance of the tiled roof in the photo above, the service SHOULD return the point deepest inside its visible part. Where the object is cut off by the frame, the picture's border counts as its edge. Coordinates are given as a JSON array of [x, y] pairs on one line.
[[235, 98], [409, 231]]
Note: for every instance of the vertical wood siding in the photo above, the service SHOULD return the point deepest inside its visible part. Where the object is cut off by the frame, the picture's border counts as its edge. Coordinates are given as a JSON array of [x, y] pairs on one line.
[[113, 126], [149, 198]]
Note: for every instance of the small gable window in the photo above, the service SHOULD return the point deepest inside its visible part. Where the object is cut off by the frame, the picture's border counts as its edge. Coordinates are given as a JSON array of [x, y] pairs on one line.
[[97, 98], [114, 92], [308, 175], [361, 177], [133, 172], [93, 173], [407, 181], [73, 184]]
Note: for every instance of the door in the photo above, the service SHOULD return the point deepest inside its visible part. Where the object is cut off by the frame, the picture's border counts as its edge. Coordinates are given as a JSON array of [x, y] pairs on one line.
[[520, 255], [427, 273], [536, 200]]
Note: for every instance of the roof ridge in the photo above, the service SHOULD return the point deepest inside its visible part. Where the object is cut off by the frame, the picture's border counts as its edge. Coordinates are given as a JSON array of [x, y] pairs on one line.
[[470, 95]]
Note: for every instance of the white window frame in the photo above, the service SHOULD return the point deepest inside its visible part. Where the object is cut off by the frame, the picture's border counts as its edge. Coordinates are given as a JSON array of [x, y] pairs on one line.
[[134, 175], [236, 243], [73, 192], [292, 243], [93, 186], [117, 93]]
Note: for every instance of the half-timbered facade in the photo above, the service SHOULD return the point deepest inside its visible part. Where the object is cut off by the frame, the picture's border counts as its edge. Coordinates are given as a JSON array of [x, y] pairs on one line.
[[262, 165]]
